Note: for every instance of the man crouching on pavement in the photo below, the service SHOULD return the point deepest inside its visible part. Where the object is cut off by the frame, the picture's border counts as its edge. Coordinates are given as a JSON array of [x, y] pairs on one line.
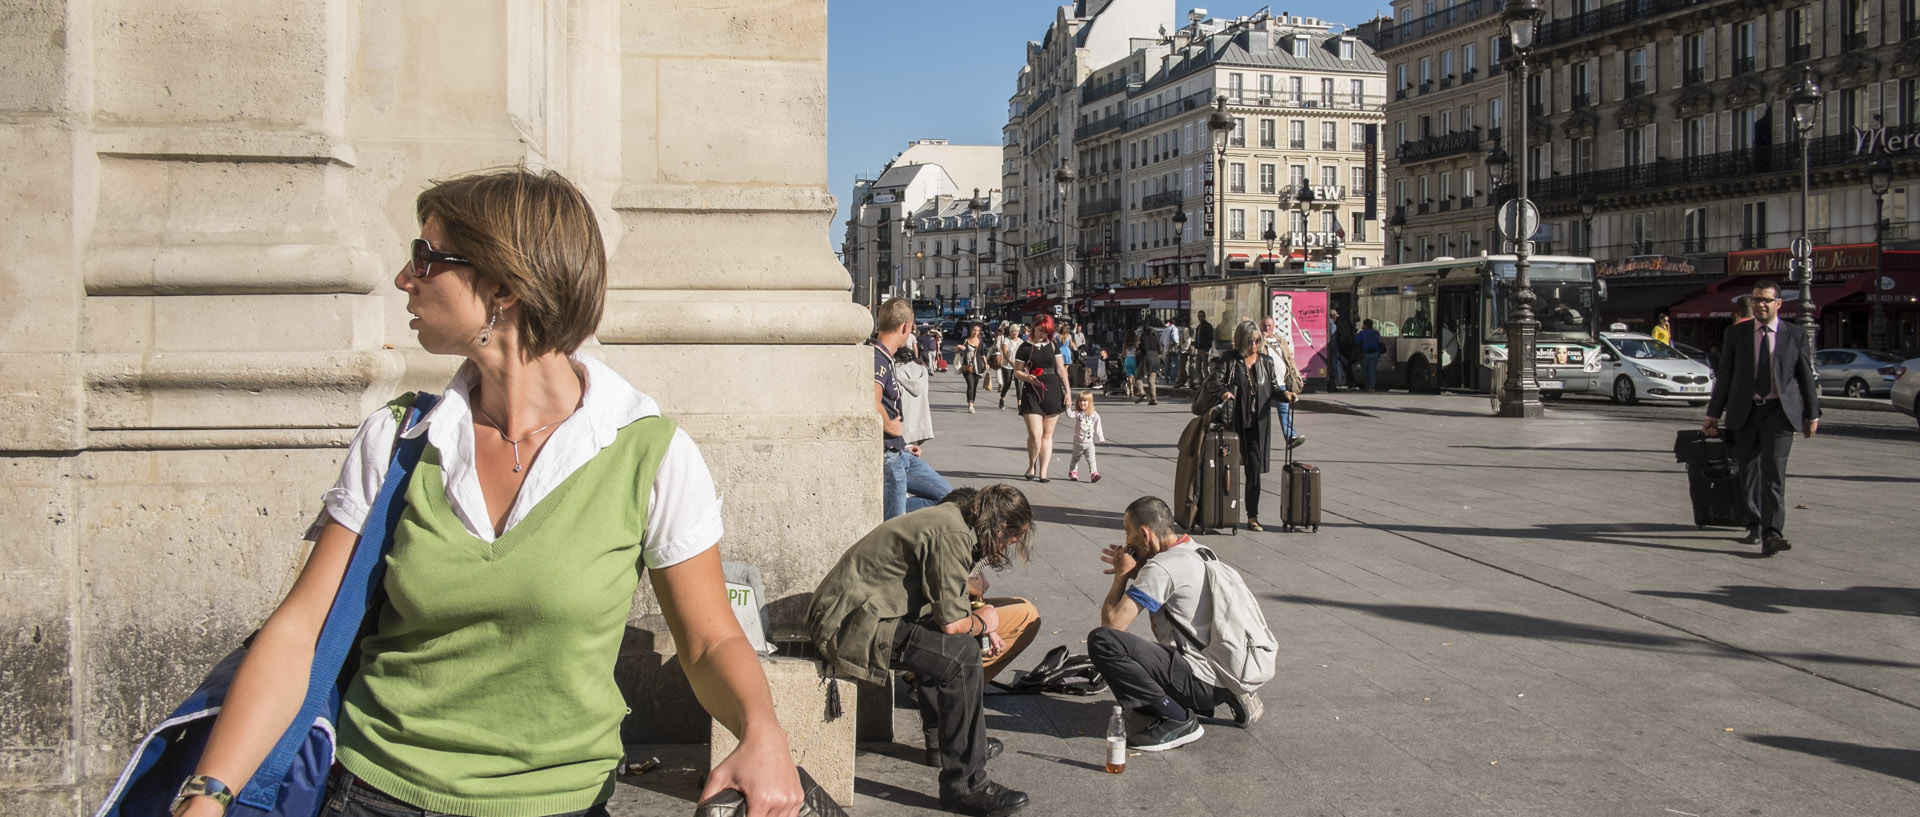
[[1160, 571]]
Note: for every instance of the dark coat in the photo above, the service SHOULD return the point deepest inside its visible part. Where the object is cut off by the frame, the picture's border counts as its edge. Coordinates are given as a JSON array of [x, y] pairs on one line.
[[1733, 382], [1251, 411]]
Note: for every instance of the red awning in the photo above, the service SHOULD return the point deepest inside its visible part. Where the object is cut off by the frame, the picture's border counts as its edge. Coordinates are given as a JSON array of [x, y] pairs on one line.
[[1239, 255], [1720, 303]]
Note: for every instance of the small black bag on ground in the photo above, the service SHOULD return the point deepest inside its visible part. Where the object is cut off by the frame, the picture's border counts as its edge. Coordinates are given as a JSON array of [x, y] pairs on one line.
[[1059, 673]]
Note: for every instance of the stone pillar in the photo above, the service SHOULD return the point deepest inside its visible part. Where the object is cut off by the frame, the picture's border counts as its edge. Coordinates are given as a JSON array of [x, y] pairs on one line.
[[206, 203]]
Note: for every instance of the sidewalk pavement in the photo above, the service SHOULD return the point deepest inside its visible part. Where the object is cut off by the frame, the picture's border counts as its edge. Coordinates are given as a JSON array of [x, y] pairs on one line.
[[1496, 617]]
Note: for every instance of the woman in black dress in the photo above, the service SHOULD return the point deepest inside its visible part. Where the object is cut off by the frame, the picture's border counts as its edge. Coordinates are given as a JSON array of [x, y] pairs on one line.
[[1043, 394]]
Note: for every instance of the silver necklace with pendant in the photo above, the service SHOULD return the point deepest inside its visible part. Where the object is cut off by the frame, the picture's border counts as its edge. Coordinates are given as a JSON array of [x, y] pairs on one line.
[[502, 431]]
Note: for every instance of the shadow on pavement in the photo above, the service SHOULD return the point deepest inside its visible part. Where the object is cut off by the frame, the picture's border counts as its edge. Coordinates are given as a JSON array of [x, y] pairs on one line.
[[1598, 534], [1492, 622], [1077, 517], [1078, 764], [895, 794], [1479, 465], [1888, 760], [1856, 477], [1562, 448], [1893, 601]]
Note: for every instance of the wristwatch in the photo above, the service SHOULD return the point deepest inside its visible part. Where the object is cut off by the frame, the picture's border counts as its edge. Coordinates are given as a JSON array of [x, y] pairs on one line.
[[201, 785]]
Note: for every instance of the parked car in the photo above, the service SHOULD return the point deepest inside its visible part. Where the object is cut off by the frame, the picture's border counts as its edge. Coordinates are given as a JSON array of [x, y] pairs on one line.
[[1634, 366], [1855, 372], [1906, 388]]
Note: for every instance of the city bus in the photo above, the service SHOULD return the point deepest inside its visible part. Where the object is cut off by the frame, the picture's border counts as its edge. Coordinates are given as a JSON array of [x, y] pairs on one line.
[[1442, 321]]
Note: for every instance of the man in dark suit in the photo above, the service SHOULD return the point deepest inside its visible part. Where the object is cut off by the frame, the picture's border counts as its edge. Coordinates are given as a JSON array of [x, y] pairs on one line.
[[1766, 391]]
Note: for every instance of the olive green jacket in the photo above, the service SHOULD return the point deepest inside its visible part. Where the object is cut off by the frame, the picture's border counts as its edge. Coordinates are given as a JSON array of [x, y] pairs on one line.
[[913, 566]]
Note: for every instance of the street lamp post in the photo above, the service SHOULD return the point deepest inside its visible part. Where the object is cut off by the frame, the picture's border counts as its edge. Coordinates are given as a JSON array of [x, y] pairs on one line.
[[1588, 204], [976, 206], [1180, 254], [1398, 224], [1805, 99], [1880, 179], [1522, 395], [906, 250], [1220, 124], [1063, 178]]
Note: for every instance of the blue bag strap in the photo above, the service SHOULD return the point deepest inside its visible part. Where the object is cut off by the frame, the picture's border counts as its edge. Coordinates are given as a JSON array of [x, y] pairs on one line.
[[349, 609]]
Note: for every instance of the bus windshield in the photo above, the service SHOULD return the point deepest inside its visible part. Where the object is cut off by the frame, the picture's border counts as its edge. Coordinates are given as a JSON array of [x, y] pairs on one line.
[[1565, 309]]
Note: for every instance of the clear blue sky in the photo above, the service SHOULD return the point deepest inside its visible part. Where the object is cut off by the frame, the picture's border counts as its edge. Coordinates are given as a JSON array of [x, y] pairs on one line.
[[899, 70]]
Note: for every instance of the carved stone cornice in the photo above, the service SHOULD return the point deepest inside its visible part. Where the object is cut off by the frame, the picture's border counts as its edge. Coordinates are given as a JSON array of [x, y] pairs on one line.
[[1583, 122], [1693, 101], [1637, 112], [1855, 69], [1906, 61], [1747, 91]]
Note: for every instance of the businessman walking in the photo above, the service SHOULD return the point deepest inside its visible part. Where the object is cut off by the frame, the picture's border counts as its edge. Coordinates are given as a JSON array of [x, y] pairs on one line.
[[1766, 392]]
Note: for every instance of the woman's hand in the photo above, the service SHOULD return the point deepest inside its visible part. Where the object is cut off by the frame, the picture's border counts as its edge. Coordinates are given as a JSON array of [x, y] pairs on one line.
[[762, 769]]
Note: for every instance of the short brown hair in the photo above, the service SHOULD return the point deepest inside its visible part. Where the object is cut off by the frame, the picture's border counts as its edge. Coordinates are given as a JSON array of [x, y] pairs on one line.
[[534, 233], [892, 315]]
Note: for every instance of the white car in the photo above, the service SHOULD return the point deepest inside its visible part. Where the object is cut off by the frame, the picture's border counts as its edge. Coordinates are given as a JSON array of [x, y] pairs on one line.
[[1906, 387], [1635, 367]]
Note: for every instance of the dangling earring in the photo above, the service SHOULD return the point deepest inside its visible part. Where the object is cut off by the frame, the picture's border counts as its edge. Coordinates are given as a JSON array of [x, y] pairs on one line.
[[486, 335]]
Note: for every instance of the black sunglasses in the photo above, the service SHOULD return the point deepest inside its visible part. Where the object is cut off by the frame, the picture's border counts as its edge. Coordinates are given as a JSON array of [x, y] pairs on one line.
[[425, 256]]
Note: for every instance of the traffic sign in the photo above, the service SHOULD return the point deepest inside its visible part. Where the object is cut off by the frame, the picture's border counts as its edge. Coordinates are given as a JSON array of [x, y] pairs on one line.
[[1802, 248], [1519, 219]]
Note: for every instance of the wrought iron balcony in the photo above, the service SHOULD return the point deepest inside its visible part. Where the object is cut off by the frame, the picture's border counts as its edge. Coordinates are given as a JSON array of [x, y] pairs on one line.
[[1170, 198], [1643, 247], [1297, 144], [1853, 41], [1093, 93], [1329, 144], [1434, 147], [1694, 244], [1742, 65], [1400, 34], [1826, 151], [1609, 17], [1582, 100], [1800, 52], [1694, 75], [1636, 87], [1753, 241], [1100, 207]]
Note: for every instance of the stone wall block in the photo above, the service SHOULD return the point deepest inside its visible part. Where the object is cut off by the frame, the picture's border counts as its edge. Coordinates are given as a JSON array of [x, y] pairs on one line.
[[36, 627], [752, 29], [38, 290], [258, 323], [754, 318], [33, 35], [152, 526], [233, 269], [262, 62], [743, 121], [662, 249], [154, 201], [237, 389], [639, 118], [823, 745], [43, 401]]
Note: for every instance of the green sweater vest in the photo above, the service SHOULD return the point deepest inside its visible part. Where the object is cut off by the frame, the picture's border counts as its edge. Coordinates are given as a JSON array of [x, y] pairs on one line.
[[488, 688]]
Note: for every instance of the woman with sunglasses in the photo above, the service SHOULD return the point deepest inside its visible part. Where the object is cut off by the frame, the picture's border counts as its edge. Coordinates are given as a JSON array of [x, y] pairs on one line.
[[486, 687]]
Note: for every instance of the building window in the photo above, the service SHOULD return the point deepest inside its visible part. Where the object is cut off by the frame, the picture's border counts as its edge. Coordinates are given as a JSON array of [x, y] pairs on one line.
[[1234, 83], [1446, 65], [1697, 143], [1695, 59], [1583, 154], [1296, 176], [1746, 123], [1239, 136], [1637, 141], [1467, 190], [1400, 80], [1496, 114], [1266, 133], [1329, 140], [1466, 117], [1357, 90], [1359, 187], [1636, 72], [1296, 91], [1346, 49], [1268, 177], [1800, 34], [1266, 223], [1853, 107], [1297, 134], [1753, 229], [1237, 224], [1746, 47], [1469, 61], [1266, 86], [1359, 231], [1446, 189], [1300, 47], [1426, 72], [1237, 177], [1360, 134]]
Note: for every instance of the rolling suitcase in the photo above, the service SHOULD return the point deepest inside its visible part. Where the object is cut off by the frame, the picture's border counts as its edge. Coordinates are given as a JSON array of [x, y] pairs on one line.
[[1206, 478], [1713, 481], [1300, 484]]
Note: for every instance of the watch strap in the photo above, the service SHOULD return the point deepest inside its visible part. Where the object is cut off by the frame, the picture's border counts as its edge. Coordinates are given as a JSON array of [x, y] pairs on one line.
[[201, 785]]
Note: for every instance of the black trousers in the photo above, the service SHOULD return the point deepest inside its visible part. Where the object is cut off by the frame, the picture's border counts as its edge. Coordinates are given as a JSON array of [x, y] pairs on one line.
[[948, 671], [1142, 672], [1253, 457], [1760, 449], [1006, 377], [973, 385]]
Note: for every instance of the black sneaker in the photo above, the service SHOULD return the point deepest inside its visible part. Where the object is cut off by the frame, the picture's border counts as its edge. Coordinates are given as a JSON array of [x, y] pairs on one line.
[[1166, 733], [992, 800]]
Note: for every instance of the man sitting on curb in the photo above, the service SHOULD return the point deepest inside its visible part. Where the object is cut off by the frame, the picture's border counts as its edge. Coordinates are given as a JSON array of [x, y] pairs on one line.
[[1162, 572]]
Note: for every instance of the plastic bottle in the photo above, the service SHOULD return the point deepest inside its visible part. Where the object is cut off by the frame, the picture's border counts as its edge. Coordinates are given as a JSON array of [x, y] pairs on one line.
[[1117, 742]]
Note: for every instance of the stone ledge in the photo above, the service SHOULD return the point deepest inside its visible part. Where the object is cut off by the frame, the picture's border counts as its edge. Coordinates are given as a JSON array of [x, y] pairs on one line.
[[233, 269], [824, 746]]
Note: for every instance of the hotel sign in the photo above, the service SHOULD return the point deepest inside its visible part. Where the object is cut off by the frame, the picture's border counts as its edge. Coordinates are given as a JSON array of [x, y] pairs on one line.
[[1825, 259]]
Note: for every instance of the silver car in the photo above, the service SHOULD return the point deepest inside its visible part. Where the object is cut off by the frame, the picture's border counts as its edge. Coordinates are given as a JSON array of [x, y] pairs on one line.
[[1855, 372], [1906, 387]]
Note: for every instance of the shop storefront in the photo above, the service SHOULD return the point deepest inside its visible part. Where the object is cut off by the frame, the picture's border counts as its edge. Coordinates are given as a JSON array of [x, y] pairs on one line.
[[1641, 287], [1847, 281]]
